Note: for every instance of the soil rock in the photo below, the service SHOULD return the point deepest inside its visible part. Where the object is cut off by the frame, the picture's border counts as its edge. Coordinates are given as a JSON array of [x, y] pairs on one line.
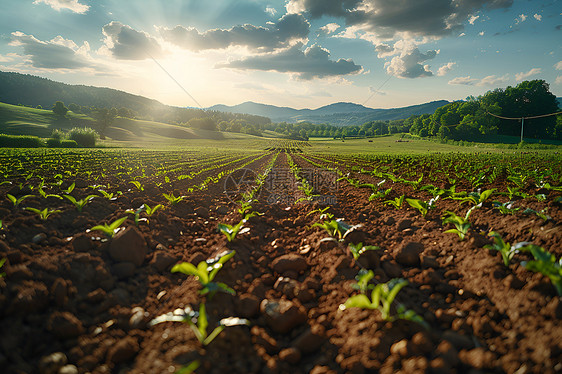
[[247, 305], [124, 350], [52, 363], [123, 270], [311, 340], [289, 262], [162, 261], [409, 254], [65, 325], [282, 315], [128, 246], [290, 355]]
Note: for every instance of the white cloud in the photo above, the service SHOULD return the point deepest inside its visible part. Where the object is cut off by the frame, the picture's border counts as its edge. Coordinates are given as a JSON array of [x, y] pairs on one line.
[[313, 62], [329, 28], [558, 65], [521, 76], [490, 80], [558, 80], [409, 63], [271, 11], [472, 19], [538, 17], [462, 34], [520, 18], [72, 5], [126, 43], [384, 50], [287, 31], [481, 33], [58, 53], [445, 69]]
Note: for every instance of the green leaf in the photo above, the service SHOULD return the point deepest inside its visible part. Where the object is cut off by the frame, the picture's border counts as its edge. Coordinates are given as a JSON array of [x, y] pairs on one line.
[[358, 301]]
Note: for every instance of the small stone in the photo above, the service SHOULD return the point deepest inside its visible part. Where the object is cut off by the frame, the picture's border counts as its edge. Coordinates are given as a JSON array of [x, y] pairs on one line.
[[65, 325], [59, 292], [404, 224], [68, 369], [197, 257], [478, 358], [287, 286], [123, 351], [289, 262], [123, 270], [282, 315], [439, 366], [222, 210], [290, 355], [82, 243], [52, 363], [401, 348], [128, 246], [311, 340], [326, 244], [409, 254], [389, 221], [448, 353], [96, 296], [248, 305], [370, 259], [39, 238], [429, 262], [421, 343], [392, 270], [31, 297], [513, 282], [202, 212], [138, 318], [162, 261]]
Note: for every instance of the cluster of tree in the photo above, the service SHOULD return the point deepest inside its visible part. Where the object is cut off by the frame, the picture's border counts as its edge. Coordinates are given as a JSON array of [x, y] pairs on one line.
[[477, 118]]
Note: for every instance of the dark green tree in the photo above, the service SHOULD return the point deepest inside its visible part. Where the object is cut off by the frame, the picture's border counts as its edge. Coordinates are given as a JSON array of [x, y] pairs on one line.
[[60, 109]]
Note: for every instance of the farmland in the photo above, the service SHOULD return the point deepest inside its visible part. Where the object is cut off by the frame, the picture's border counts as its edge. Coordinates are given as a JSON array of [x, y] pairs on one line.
[[289, 257]]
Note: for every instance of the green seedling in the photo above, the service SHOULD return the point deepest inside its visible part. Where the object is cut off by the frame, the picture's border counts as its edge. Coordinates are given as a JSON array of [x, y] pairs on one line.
[[506, 250], [397, 202], [505, 208], [230, 231], [540, 197], [80, 204], [198, 322], [380, 194], [382, 297], [173, 200], [476, 198], [245, 206], [541, 214], [150, 211], [358, 249], [17, 201], [69, 190], [136, 214], [206, 271], [323, 213], [2, 262], [336, 227], [111, 229], [422, 206], [461, 224], [1, 225], [107, 195], [546, 264], [45, 195], [43, 214], [138, 185], [363, 279], [190, 368]]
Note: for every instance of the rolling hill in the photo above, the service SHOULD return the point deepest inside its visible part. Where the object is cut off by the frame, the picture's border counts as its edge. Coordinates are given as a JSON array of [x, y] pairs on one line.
[[340, 114]]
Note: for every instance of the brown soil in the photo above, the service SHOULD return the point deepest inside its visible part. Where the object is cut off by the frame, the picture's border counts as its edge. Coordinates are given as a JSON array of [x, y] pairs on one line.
[[65, 292]]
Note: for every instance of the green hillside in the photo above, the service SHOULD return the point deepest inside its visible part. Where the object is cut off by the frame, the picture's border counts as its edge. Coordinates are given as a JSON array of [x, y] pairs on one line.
[[21, 120]]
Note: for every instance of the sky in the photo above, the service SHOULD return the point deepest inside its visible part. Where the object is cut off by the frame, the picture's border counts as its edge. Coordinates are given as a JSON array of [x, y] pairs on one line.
[[296, 53]]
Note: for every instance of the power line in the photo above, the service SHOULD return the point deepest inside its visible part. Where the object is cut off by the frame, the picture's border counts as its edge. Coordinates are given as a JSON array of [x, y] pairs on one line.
[[521, 118]]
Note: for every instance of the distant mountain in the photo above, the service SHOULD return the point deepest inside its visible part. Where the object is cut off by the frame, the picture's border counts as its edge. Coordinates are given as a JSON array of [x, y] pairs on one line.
[[340, 114]]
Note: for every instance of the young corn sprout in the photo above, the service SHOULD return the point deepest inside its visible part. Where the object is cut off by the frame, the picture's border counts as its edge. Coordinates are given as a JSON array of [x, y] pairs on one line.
[[138, 185], [506, 250], [198, 322], [461, 224], [505, 208], [2, 262], [397, 202], [111, 229], [43, 214], [382, 297], [17, 201], [358, 249], [69, 190], [173, 200], [476, 198], [546, 264], [206, 271], [336, 227], [422, 206], [80, 204]]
